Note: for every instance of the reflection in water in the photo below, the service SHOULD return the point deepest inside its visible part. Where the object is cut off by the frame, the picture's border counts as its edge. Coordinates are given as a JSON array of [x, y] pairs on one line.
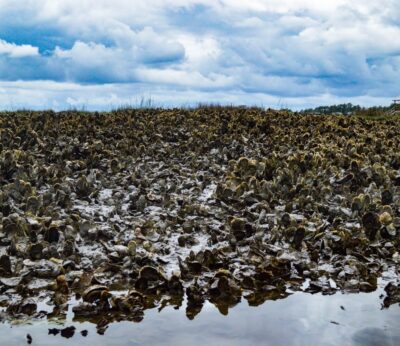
[[373, 337], [67, 332], [300, 319]]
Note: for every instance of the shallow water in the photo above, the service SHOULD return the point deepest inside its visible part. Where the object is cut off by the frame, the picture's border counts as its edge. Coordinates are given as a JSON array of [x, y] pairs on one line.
[[300, 319]]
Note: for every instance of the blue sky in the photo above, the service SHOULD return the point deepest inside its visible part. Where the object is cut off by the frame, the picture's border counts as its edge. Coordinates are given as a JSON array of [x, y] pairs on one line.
[[101, 54]]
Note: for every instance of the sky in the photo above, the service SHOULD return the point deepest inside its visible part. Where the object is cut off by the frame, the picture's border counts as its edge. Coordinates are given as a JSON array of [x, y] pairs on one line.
[[101, 55]]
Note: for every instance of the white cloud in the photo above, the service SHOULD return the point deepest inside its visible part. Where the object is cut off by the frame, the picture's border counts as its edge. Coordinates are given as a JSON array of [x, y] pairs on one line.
[[86, 54], [129, 49], [64, 96], [17, 51], [183, 78], [290, 49]]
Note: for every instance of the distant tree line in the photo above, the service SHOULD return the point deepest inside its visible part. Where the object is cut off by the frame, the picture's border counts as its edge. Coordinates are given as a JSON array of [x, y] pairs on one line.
[[348, 109]]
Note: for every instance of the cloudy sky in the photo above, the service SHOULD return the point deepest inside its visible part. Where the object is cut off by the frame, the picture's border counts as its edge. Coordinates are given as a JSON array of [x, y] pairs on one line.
[[99, 54]]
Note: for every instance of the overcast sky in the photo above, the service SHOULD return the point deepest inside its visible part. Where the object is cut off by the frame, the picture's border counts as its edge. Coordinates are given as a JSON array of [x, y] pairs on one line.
[[100, 54]]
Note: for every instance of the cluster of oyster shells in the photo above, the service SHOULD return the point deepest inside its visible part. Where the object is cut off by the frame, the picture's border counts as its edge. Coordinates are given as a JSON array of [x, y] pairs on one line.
[[136, 209]]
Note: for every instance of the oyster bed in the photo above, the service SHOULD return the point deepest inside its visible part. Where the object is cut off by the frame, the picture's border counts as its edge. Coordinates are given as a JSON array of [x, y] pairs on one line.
[[115, 213]]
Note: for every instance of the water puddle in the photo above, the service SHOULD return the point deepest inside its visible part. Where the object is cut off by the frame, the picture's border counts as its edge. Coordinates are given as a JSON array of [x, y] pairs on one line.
[[300, 319]]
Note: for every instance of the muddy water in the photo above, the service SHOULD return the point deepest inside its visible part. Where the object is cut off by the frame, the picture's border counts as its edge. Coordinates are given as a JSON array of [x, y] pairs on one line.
[[300, 319]]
